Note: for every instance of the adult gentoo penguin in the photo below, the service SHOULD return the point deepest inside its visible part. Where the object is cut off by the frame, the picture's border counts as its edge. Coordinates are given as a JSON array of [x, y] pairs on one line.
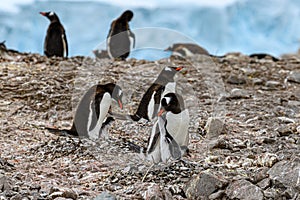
[[149, 104], [91, 114], [169, 138], [55, 43], [118, 39]]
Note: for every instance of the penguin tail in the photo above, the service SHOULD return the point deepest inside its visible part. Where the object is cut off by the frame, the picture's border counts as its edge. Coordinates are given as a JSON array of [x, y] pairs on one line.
[[62, 132]]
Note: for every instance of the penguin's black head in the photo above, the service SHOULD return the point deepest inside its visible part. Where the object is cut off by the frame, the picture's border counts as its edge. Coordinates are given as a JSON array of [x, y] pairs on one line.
[[50, 15], [171, 102], [127, 15], [116, 93], [168, 73]]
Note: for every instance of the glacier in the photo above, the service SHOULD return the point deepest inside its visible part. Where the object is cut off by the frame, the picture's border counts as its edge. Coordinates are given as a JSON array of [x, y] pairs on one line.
[[247, 26]]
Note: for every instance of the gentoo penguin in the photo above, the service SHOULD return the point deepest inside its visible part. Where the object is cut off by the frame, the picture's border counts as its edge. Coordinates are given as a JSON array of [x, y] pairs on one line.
[[56, 40], [149, 104], [118, 39], [91, 114], [187, 49], [169, 138]]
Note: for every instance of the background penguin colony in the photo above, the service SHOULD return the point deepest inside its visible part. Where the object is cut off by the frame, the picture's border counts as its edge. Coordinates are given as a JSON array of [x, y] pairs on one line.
[[161, 103]]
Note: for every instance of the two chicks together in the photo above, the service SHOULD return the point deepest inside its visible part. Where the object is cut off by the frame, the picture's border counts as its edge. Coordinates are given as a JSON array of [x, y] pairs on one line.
[[169, 136], [118, 39]]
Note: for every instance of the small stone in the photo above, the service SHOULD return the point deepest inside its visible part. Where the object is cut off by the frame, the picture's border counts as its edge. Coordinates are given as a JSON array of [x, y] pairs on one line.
[[203, 185], [284, 131], [233, 79], [214, 127], [257, 81], [294, 77], [286, 120], [220, 144], [106, 196], [65, 193], [239, 94], [242, 189], [273, 84]]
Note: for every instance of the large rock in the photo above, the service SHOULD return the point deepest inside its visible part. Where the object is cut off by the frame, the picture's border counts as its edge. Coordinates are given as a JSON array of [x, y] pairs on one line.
[[4, 183], [214, 127], [286, 173], [243, 189], [203, 185], [294, 77]]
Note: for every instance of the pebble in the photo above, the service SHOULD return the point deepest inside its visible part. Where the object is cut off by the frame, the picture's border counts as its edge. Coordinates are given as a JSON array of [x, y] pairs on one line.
[[233, 79], [273, 84], [239, 94], [286, 120]]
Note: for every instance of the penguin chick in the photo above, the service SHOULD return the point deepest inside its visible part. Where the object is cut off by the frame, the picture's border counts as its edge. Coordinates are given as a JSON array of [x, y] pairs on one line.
[[149, 104], [55, 43], [91, 114], [169, 137], [118, 39]]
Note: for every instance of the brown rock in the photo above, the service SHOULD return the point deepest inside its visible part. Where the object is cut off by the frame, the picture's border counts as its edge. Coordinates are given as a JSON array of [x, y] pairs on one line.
[[203, 185], [243, 189]]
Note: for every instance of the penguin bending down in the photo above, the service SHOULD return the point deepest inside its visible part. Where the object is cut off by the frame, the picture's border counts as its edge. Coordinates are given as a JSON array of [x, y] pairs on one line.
[[150, 102], [169, 137], [91, 116], [55, 43], [118, 39]]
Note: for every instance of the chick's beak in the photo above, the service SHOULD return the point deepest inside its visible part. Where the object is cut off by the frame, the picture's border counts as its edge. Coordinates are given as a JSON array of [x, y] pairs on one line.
[[120, 104], [161, 112], [43, 13]]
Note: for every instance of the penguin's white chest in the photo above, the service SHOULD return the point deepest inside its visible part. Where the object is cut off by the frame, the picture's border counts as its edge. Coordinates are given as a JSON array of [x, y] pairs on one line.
[[104, 107], [177, 126]]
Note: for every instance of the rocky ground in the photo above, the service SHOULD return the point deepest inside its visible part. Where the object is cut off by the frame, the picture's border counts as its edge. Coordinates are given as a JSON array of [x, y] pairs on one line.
[[250, 148]]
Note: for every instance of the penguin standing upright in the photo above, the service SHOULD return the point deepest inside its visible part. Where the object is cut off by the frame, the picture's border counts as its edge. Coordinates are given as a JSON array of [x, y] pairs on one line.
[[169, 138], [56, 40], [149, 104], [118, 39], [91, 114]]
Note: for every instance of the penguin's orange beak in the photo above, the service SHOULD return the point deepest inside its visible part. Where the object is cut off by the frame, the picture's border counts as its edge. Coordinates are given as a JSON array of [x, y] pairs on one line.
[[161, 112], [43, 13], [120, 104], [179, 68]]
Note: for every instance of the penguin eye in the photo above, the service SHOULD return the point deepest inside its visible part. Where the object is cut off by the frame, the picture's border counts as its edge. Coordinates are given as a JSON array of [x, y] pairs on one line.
[[51, 13]]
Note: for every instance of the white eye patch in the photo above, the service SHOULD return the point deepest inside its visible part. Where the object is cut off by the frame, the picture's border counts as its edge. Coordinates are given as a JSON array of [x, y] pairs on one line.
[[51, 13], [168, 99], [120, 92], [168, 69]]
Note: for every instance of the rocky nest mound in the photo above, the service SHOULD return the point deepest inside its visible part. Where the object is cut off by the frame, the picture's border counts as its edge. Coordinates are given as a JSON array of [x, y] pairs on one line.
[[250, 148]]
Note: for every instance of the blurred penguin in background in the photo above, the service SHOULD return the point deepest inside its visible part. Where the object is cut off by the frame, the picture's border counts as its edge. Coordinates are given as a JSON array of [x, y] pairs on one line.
[[56, 41], [118, 39]]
